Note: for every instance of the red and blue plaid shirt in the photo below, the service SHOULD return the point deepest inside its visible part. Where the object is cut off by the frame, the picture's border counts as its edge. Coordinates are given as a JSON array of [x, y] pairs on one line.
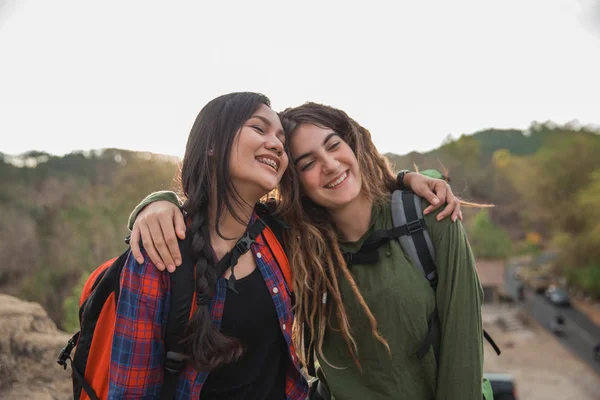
[[138, 351]]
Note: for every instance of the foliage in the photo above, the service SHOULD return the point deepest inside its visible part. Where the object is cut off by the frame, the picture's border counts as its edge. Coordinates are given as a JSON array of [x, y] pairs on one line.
[[544, 180], [488, 240], [586, 278], [64, 216], [559, 188], [71, 306]]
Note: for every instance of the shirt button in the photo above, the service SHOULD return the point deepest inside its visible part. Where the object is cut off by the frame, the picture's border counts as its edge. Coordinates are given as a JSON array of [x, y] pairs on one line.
[[275, 290], [258, 255], [283, 327]]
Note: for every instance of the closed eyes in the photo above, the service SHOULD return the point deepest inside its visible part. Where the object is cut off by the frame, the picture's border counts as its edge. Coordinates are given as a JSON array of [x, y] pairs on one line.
[[334, 146], [307, 166]]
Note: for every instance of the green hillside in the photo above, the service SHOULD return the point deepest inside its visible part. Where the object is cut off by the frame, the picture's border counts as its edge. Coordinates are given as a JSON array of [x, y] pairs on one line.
[[63, 216]]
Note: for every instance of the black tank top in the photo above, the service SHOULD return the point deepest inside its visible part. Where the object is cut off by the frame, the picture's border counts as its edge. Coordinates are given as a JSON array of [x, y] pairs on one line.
[[250, 317]]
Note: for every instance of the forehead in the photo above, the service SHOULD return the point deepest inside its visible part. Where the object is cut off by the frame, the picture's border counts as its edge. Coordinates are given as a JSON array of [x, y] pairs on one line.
[[307, 136], [269, 115]]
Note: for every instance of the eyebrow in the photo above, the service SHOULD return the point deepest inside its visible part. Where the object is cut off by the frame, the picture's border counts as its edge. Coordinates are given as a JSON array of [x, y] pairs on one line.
[[332, 134], [266, 121]]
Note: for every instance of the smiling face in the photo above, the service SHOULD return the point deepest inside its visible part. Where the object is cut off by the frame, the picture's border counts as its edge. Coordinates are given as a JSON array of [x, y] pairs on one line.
[[258, 159], [327, 167]]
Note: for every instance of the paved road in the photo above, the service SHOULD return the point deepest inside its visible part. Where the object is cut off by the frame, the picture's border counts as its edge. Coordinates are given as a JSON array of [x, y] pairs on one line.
[[581, 334]]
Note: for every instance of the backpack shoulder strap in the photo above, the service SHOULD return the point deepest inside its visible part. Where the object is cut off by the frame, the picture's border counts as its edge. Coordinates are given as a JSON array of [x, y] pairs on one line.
[[94, 279], [183, 293], [407, 211], [275, 244], [273, 234]]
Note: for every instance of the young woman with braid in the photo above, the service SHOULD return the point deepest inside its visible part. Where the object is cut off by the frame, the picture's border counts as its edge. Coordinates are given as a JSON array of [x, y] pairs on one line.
[[366, 322], [234, 156]]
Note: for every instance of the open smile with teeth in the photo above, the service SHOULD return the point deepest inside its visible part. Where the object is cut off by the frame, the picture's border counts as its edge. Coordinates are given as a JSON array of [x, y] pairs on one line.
[[267, 161], [339, 180]]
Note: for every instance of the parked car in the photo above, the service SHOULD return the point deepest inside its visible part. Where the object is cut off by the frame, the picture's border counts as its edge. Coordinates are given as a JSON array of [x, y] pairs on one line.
[[558, 296], [503, 386]]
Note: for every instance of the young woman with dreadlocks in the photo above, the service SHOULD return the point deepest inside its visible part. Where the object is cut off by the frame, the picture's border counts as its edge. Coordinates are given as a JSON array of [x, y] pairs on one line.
[[234, 156], [368, 320]]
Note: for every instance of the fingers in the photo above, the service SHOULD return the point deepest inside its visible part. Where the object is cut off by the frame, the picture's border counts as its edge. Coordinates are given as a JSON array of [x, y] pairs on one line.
[[435, 196], [149, 247], [156, 225], [429, 209], [173, 257], [456, 214], [134, 242], [179, 225], [446, 211], [452, 208], [455, 201], [159, 240]]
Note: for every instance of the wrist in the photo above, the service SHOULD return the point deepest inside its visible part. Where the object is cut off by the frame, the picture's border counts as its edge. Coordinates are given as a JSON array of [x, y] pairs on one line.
[[403, 179]]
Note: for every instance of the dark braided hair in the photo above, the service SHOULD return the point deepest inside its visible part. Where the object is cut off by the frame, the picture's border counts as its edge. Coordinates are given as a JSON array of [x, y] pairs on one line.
[[205, 176]]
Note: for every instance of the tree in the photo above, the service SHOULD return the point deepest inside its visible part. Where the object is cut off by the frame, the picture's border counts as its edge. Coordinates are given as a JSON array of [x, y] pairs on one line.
[[488, 240]]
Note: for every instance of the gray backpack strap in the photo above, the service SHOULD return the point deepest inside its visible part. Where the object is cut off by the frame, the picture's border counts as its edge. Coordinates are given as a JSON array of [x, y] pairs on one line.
[[407, 211]]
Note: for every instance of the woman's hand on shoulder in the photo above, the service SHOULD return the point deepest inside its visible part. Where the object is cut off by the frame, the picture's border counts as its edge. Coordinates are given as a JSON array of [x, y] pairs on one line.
[[437, 192], [158, 226]]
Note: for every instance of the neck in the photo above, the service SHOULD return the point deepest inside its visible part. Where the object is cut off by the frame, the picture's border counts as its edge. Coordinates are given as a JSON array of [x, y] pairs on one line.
[[229, 227], [354, 219]]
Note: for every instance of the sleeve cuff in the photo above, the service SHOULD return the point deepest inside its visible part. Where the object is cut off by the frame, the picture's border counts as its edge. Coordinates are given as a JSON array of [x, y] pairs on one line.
[[163, 195]]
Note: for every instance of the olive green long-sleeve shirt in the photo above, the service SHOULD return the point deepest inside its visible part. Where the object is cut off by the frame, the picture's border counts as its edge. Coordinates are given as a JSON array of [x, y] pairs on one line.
[[401, 299]]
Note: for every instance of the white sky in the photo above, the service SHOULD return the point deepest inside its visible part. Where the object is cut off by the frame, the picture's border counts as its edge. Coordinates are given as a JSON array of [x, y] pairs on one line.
[[134, 74]]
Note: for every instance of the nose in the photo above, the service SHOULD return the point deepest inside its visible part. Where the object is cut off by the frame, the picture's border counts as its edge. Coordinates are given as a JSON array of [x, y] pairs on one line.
[[274, 144], [330, 164]]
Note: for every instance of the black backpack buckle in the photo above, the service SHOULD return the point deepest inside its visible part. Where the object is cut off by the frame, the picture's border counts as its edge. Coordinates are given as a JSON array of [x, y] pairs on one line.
[[243, 245], [174, 362], [65, 353], [432, 277], [415, 226]]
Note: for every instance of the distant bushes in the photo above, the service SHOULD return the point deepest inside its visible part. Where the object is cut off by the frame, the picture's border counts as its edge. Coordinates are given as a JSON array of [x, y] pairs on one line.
[[61, 217], [487, 239]]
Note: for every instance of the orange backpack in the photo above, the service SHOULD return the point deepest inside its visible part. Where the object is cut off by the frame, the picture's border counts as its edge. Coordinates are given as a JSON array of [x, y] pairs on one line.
[[97, 313]]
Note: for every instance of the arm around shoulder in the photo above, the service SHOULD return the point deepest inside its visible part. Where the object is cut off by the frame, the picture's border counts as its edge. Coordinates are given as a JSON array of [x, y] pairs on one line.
[[163, 195]]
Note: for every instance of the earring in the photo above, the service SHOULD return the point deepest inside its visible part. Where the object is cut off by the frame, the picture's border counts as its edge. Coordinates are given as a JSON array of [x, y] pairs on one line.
[[211, 152]]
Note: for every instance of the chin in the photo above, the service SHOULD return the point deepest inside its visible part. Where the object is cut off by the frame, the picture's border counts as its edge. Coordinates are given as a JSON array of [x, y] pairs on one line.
[[341, 200], [269, 186]]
